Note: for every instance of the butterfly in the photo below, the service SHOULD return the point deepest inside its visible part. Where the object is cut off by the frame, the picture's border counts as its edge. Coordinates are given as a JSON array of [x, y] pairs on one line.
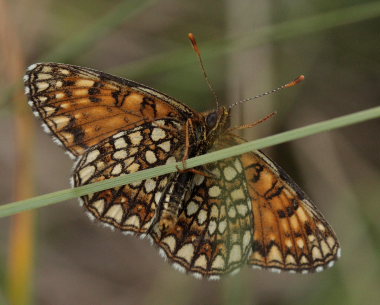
[[208, 221]]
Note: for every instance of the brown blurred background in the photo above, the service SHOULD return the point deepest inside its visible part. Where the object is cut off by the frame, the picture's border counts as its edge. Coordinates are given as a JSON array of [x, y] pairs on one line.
[[248, 47]]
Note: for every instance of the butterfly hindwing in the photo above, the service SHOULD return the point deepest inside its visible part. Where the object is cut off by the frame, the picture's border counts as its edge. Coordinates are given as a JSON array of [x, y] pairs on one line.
[[213, 233], [132, 207]]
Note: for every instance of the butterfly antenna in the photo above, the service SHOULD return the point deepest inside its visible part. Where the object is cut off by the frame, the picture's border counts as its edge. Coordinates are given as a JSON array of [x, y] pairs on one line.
[[196, 49], [288, 85]]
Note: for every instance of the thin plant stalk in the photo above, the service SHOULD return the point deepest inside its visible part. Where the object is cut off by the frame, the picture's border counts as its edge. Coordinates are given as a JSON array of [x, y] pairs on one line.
[[55, 197]]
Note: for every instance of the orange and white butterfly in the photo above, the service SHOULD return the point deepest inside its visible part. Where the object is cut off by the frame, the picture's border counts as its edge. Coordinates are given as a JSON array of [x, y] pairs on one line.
[[209, 221]]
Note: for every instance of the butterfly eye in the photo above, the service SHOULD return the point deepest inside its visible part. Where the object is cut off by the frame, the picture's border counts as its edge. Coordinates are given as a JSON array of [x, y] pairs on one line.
[[211, 119]]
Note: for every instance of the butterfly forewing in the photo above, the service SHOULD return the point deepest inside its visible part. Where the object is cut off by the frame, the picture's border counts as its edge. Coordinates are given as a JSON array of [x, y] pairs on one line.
[[290, 233], [81, 107]]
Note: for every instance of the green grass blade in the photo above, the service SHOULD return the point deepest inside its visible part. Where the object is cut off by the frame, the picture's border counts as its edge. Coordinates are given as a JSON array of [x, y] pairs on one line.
[[47, 199]]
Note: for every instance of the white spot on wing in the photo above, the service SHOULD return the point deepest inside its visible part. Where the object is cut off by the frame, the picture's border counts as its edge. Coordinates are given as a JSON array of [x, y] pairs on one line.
[[196, 275], [222, 226], [171, 160], [158, 134], [81, 203], [202, 216], [47, 69], [116, 169], [275, 270], [186, 252], [319, 269], [257, 267], [32, 67], [115, 212], [119, 134], [201, 261], [90, 216], [71, 156], [246, 239], [150, 157], [120, 155], [229, 173], [64, 71], [330, 264], [191, 208], [133, 220], [150, 185], [163, 254], [165, 146], [235, 254], [242, 209], [99, 205], [237, 194], [232, 212], [92, 155], [60, 121], [212, 227], [213, 277], [178, 267], [135, 137], [84, 83], [214, 191], [59, 95], [133, 168], [86, 173], [157, 197], [120, 143], [43, 76], [170, 242], [41, 86]]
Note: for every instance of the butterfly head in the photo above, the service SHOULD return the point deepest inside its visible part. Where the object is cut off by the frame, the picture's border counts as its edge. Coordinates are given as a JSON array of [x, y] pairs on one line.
[[216, 122]]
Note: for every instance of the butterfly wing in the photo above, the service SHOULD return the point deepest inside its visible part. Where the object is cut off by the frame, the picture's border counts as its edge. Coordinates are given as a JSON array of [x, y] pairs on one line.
[[213, 232], [290, 233], [132, 207], [248, 211], [81, 107]]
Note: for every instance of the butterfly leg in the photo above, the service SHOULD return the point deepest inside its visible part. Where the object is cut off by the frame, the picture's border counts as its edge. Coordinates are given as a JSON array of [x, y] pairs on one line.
[[187, 142], [188, 127], [250, 125], [187, 146], [195, 171]]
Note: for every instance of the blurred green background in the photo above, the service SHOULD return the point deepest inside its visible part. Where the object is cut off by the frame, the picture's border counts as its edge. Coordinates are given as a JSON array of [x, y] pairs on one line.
[[248, 47]]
